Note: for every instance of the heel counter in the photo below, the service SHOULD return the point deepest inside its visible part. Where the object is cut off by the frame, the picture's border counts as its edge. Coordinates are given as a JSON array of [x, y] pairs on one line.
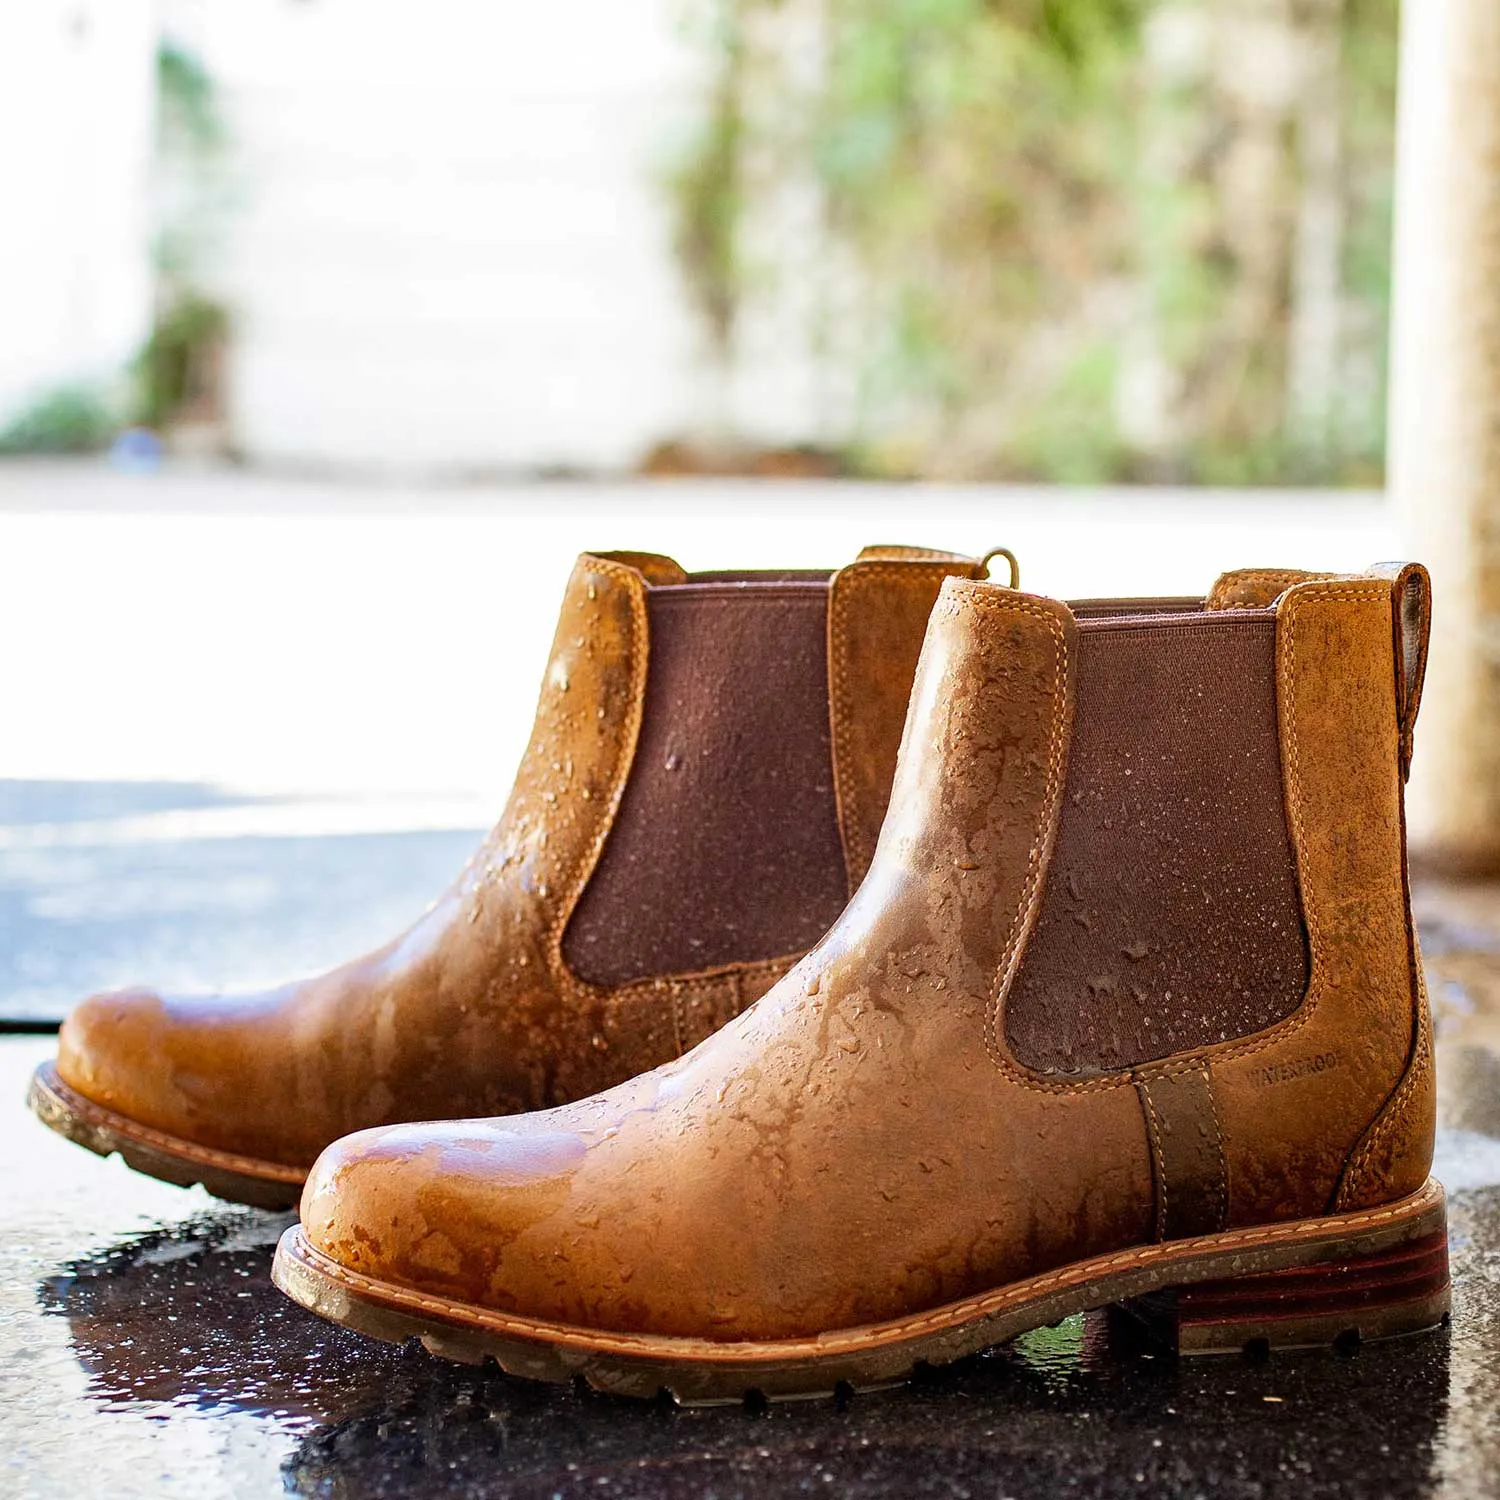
[[1332, 1101], [1394, 1156]]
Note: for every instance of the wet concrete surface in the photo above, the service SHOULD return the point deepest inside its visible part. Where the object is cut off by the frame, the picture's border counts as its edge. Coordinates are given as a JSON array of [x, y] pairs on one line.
[[194, 888], [143, 1352]]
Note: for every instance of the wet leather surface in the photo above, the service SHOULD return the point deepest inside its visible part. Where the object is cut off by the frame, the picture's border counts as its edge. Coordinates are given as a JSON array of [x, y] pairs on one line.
[[1296, 1103], [464, 1009], [847, 1150], [877, 1149]]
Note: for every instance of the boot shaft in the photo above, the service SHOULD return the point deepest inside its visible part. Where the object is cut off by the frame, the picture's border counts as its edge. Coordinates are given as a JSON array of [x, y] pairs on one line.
[[709, 760], [1214, 911]]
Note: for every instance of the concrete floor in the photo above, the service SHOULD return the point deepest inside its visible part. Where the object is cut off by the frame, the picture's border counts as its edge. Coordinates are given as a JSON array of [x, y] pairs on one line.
[[143, 1352]]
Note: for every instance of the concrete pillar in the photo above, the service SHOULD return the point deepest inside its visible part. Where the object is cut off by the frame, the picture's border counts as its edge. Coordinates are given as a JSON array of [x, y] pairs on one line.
[[1445, 410]]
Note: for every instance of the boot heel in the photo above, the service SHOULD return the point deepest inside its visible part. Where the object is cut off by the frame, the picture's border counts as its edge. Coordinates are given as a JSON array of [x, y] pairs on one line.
[[1342, 1302]]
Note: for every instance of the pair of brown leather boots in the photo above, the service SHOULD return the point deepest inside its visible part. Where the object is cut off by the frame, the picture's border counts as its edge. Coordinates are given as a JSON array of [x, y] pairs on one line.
[[1113, 995]]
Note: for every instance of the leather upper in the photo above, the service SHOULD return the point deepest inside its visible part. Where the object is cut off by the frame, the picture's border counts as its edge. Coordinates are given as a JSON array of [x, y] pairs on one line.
[[861, 1145]]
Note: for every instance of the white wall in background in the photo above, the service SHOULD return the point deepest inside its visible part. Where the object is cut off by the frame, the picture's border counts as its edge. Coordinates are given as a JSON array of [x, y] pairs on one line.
[[452, 253], [280, 635], [77, 95], [449, 253]]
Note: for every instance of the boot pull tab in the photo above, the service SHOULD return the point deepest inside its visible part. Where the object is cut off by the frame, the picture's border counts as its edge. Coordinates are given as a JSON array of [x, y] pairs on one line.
[[1010, 558], [1411, 617], [971, 567]]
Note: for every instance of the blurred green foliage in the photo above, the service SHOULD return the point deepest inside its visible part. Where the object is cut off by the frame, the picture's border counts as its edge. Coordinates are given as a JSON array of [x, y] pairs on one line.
[[1077, 240], [188, 98], [176, 373], [71, 419], [176, 368]]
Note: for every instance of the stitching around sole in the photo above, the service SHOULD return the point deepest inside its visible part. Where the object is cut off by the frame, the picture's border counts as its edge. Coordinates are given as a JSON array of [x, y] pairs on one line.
[[69, 1104], [295, 1247]]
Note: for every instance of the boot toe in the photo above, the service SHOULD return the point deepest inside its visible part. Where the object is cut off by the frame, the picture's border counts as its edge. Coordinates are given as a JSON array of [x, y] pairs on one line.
[[209, 1071], [470, 1210], [111, 1051]]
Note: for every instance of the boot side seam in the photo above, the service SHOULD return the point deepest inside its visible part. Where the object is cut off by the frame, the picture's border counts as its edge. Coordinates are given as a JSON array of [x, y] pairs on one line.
[[1222, 1187], [1418, 1070], [1158, 1160], [845, 793], [578, 877], [1041, 844]]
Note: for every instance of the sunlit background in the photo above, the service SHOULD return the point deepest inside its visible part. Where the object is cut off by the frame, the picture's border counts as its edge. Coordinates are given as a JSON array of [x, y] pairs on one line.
[[1078, 240]]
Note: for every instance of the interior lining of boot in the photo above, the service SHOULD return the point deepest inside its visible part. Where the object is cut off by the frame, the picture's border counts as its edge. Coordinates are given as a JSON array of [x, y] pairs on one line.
[[1090, 613], [1091, 609], [1139, 619], [775, 575]]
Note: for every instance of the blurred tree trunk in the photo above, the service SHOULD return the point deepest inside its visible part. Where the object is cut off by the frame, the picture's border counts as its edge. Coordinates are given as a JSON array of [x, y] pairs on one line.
[[1445, 415], [1256, 68], [1315, 332]]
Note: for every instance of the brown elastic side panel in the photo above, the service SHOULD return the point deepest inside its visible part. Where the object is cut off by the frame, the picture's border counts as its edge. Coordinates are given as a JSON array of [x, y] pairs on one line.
[[1171, 918], [726, 846]]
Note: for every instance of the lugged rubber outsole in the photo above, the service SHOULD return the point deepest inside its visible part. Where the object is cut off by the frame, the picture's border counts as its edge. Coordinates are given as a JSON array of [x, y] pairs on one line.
[[702, 1371], [237, 1179]]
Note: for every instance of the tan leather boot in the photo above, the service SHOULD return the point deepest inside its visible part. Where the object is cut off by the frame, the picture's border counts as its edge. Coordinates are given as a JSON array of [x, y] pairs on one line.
[[1127, 1007], [704, 786]]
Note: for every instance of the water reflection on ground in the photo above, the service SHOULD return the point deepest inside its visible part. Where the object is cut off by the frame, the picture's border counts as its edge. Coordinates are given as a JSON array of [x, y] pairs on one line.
[[144, 1352], [182, 1320]]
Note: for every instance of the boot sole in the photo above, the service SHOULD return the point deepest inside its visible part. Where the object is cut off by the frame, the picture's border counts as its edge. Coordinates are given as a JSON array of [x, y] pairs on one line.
[[1349, 1277], [237, 1179]]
